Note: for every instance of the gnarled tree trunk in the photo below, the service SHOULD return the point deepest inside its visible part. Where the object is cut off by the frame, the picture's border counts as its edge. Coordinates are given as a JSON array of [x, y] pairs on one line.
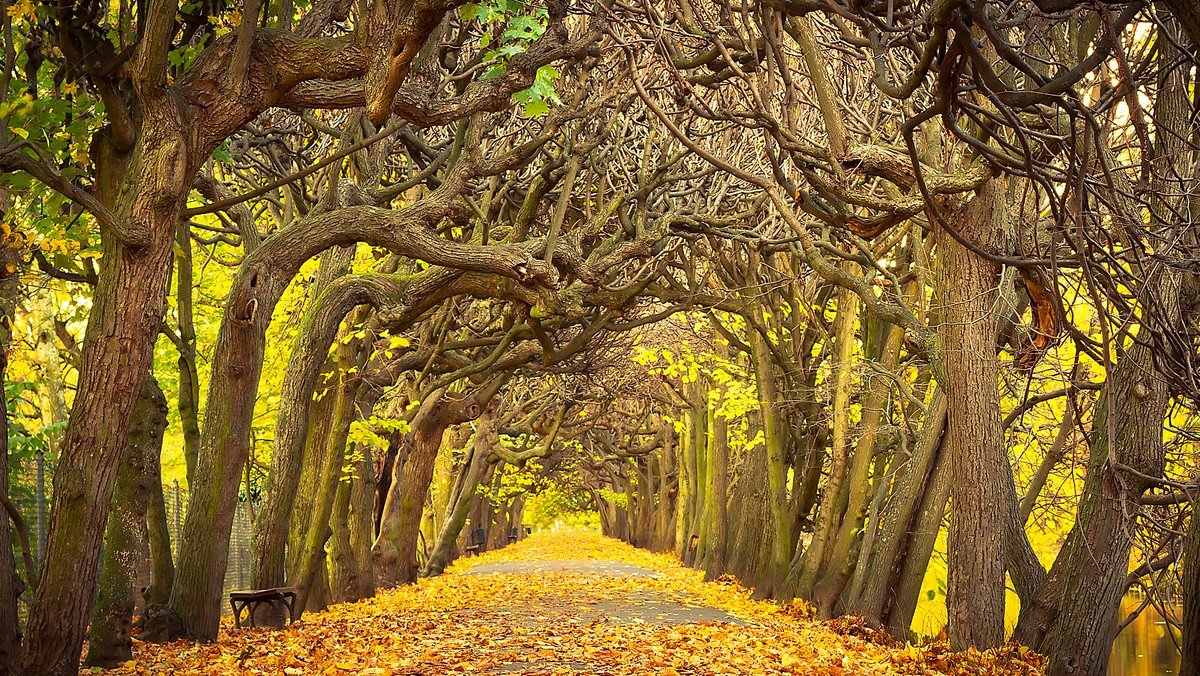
[[718, 493], [395, 548], [109, 642], [352, 524], [885, 562], [127, 310], [1074, 616]]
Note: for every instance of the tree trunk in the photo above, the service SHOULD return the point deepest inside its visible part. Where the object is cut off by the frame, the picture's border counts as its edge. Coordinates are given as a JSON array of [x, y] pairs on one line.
[[352, 574], [109, 642], [974, 438], [351, 358], [698, 443], [687, 486], [272, 526], [316, 442], [224, 447], [803, 579], [779, 532], [1190, 665], [11, 586], [843, 555], [126, 314], [189, 375], [718, 489], [460, 504], [920, 540], [748, 555], [1074, 616], [644, 494], [395, 548], [881, 484], [910, 484], [158, 533]]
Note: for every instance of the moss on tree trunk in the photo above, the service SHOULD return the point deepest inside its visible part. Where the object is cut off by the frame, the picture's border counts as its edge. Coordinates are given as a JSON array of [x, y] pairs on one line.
[[109, 642]]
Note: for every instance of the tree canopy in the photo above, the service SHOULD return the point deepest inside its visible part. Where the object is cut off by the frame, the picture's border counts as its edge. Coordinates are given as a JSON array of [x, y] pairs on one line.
[[889, 306]]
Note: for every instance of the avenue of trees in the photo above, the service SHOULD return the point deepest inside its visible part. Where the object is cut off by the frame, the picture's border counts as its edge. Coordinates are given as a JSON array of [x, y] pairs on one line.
[[806, 291]]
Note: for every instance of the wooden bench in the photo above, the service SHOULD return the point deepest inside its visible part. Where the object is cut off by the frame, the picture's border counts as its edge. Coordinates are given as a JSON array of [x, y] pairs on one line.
[[513, 535], [478, 539], [243, 600]]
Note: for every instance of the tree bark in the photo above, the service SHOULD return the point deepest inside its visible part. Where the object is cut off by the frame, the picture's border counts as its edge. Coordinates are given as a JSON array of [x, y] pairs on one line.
[[885, 563], [666, 504], [974, 438], [698, 445], [460, 504], [718, 489], [353, 575], [158, 533], [272, 526], [749, 551], [395, 547], [843, 555], [1190, 663], [109, 641], [803, 578], [687, 486], [126, 314], [351, 358], [920, 540], [11, 585], [765, 375], [1074, 616], [189, 375]]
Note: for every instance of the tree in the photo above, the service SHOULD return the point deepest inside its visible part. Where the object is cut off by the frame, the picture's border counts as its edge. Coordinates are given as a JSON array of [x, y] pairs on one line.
[[164, 121]]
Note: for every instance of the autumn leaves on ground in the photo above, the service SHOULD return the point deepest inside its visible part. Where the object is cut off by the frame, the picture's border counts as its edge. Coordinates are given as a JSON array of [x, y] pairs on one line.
[[584, 604]]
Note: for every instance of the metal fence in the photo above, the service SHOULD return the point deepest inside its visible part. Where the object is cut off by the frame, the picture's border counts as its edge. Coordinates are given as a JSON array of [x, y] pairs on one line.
[[237, 569]]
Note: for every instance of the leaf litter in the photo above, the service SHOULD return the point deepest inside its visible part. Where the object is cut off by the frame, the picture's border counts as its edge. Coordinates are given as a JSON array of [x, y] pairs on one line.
[[564, 622]]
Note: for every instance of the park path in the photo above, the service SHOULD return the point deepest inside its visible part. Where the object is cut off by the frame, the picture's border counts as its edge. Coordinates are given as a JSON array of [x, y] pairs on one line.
[[561, 604]]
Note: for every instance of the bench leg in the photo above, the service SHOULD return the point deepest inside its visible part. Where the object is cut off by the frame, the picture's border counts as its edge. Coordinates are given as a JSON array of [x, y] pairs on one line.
[[237, 614], [290, 601]]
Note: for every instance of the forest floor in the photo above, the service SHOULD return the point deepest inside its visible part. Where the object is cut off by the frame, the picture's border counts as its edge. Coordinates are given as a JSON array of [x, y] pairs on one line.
[[567, 603]]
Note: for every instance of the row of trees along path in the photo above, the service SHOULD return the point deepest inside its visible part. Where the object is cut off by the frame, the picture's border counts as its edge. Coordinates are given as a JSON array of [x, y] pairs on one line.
[[881, 306]]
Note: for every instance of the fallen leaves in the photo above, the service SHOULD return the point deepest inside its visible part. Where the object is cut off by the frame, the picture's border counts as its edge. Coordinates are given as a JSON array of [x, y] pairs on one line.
[[565, 622]]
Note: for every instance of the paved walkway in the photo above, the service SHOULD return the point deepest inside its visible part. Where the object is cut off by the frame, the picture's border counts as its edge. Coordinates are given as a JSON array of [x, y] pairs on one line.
[[645, 606]]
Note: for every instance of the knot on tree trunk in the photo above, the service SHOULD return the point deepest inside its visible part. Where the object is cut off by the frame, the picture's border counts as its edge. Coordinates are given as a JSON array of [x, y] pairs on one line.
[[160, 624]]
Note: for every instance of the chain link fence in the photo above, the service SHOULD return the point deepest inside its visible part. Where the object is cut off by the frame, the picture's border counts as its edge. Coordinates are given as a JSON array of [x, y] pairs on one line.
[[237, 569]]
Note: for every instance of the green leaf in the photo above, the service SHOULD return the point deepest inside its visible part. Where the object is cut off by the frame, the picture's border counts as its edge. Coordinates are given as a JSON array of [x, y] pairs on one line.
[[536, 108]]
